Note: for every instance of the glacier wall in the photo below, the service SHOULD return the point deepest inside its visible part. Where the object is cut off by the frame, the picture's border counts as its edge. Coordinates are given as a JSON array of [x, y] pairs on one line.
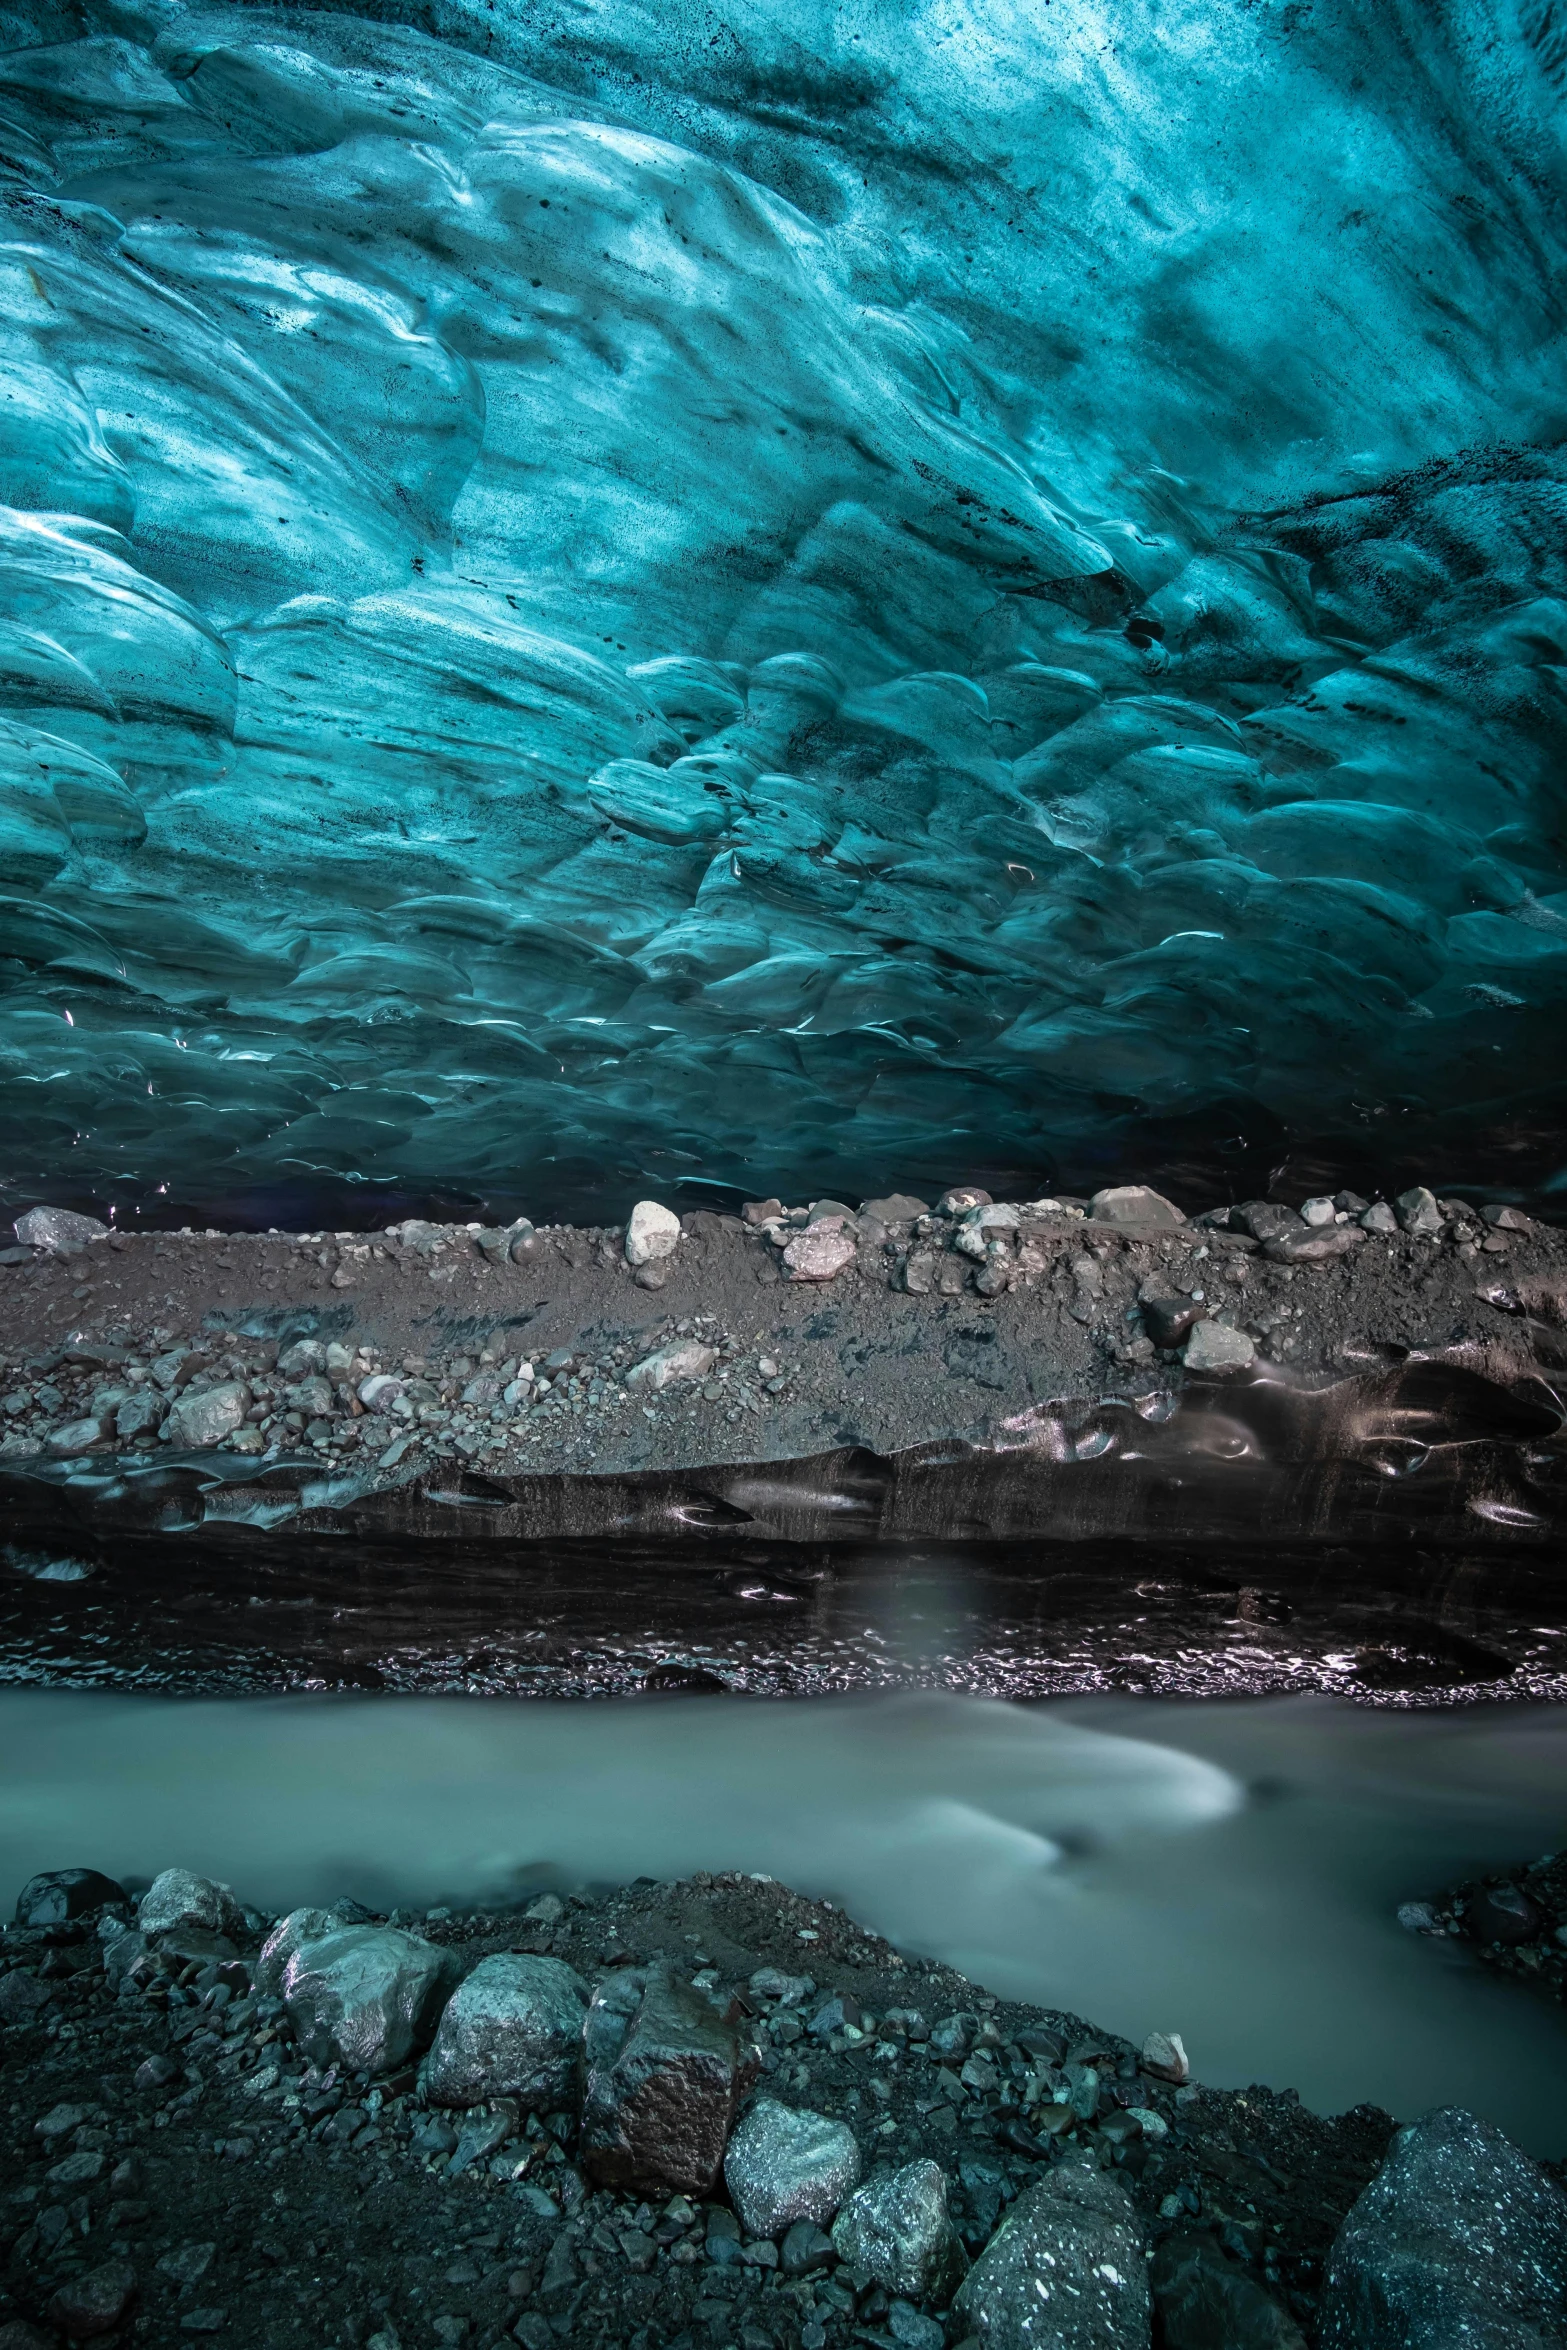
[[777, 595]]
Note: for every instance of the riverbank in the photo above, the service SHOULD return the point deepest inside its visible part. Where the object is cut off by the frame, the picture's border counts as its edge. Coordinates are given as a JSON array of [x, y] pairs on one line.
[[825, 1375], [174, 2120]]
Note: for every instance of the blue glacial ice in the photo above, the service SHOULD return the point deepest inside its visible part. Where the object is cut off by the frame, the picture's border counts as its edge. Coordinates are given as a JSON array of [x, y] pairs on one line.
[[776, 595]]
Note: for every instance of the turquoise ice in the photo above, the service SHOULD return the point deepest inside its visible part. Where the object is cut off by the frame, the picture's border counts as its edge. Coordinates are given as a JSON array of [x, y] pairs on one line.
[[788, 597]]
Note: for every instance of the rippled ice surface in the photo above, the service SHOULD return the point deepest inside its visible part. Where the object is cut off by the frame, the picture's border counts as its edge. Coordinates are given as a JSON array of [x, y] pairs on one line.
[[776, 592], [1227, 1871]]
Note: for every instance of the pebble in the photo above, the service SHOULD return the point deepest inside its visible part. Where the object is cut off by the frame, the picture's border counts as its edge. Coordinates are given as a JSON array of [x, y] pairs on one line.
[[686, 1359], [90, 2305]]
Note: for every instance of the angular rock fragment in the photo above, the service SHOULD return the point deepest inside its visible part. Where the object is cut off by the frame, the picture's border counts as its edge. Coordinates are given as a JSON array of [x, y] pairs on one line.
[[59, 1230], [1417, 1210], [1214, 1346], [203, 1417], [1067, 2267], [1309, 1245], [22, 1997], [141, 1414], [897, 2228], [178, 1898], [1206, 2302], [652, 1233], [786, 2164], [512, 2028], [1458, 2240], [665, 2077], [94, 2304], [1169, 1321], [899, 1207], [367, 1995], [687, 1358], [1164, 2055], [820, 1253]]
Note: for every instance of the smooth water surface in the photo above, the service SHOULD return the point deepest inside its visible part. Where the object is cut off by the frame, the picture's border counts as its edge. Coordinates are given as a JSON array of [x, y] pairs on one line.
[[1228, 1871]]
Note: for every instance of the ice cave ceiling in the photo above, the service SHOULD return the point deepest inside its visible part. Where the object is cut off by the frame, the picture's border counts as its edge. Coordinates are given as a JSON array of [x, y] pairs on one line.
[[777, 594]]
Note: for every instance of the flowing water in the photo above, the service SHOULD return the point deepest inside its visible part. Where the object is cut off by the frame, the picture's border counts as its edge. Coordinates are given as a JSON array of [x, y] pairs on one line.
[[1229, 1871]]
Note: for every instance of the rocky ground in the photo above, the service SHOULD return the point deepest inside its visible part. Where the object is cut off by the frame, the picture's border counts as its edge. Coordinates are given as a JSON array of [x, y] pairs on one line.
[[710, 1338], [1517, 1920], [769, 2130]]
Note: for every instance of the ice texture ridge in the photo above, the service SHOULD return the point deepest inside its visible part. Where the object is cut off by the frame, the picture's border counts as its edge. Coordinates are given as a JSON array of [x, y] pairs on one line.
[[773, 594]]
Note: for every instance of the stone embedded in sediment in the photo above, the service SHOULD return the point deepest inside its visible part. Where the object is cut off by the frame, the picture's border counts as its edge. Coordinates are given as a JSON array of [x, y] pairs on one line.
[[1214, 1346], [898, 2230], [1067, 2267], [652, 1233], [1459, 2239], [821, 1252], [665, 2078], [368, 1996], [687, 1359], [785, 2163], [1134, 1203], [512, 2028]]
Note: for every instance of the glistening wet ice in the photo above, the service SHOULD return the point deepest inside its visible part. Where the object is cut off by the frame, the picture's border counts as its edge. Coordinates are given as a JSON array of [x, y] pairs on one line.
[[1231, 1872]]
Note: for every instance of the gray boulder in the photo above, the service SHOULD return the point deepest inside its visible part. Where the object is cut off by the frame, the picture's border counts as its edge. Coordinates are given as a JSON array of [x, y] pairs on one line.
[[1134, 1203], [59, 1230], [1066, 2268], [204, 1416], [1459, 2243], [897, 2228], [178, 1899], [786, 2164], [512, 2028], [1206, 2303], [366, 1995], [300, 1925], [665, 2077]]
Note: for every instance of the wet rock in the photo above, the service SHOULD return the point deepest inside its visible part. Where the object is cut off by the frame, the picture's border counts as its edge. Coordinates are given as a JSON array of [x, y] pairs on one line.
[[659, 2105], [652, 1233], [897, 2228], [1263, 1219], [1206, 2303], [299, 1926], [919, 1273], [94, 2304], [1214, 1346], [177, 1899], [301, 1360], [368, 1995], [512, 2028], [1417, 1210], [1503, 1913], [1379, 1217], [820, 1253], [785, 2163], [1458, 2240], [65, 1893], [1133, 1203], [1067, 2267], [59, 1230], [686, 1359], [204, 1417], [899, 1207]]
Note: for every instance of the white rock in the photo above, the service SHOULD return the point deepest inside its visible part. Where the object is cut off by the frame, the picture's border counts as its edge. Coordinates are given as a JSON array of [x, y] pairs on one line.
[[60, 1230], [687, 1358], [653, 1232], [1214, 1346], [785, 2163], [1318, 1211], [178, 1898], [204, 1418], [820, 1253]]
